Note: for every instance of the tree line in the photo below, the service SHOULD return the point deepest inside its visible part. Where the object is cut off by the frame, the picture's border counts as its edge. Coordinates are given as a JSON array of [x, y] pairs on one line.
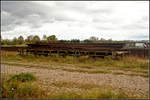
[[30, 39], [52, 38]]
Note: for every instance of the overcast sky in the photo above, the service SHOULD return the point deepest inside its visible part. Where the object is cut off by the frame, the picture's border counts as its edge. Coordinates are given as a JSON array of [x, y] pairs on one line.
[[118, 20]]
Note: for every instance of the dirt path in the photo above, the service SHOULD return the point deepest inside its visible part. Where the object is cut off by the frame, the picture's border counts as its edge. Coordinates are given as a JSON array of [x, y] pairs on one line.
[[134, 84], [87, 69]]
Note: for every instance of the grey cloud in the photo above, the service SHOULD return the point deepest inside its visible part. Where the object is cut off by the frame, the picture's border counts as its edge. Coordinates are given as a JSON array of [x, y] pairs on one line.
[[134, 26], [144, 19], [63, 17], [7, 28], [23, 12], [35, 15], [139, 36], [22, 9], [104, 28], [83, 8], [140, 24], [100, 19], [32, 13], [6, 18], [8, 22]]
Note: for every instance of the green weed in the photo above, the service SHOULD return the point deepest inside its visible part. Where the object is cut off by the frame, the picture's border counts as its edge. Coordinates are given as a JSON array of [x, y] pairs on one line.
[[23, 77]]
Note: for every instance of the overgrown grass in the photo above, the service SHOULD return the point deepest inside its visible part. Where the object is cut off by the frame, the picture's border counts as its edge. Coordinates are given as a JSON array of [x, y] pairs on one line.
[[91, 94], [14, 87], [83, 61], [21, 86], [108, 93], [74, 85], [138, 66], [89, 91], [24, 85]]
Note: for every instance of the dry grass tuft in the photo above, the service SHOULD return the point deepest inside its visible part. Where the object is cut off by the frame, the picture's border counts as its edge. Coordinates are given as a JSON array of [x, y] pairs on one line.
[[21, 86]]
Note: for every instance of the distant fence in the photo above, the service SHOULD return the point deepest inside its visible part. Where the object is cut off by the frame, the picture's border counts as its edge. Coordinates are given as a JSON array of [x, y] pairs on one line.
[[139, 52]]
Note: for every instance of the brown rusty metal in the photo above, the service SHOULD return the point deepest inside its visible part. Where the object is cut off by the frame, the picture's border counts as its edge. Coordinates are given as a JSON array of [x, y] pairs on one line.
[[77, 46], [12, 48], [77, 49], [93, 49]]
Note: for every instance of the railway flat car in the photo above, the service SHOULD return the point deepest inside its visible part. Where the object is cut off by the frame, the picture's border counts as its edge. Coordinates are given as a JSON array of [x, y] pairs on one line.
[[75, 49]]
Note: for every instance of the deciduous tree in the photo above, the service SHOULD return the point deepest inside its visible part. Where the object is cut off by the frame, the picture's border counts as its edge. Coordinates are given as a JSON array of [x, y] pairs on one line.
[[52, 38]]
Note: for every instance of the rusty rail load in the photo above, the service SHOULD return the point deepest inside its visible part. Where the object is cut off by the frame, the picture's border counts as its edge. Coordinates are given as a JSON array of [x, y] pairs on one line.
[[76, 49]]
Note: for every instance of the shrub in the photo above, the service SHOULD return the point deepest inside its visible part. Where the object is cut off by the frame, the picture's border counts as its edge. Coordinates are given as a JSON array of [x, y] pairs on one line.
[[23, 77], [21, 90], [21, 86]]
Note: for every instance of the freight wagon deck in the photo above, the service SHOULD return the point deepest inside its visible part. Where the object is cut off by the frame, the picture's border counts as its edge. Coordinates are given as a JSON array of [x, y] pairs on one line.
[[75, 49]]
